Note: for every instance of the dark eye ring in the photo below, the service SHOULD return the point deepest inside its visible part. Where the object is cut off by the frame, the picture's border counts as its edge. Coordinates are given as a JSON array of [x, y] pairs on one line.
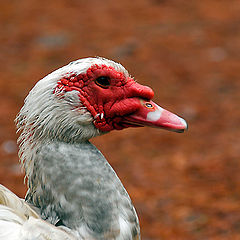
[[103, 81]]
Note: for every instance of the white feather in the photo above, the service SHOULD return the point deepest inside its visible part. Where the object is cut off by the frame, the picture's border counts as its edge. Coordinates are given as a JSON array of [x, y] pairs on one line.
[[19, 222]]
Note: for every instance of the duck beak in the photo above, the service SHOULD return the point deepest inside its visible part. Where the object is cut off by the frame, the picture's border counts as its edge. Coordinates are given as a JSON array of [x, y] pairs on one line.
[[150, 114]]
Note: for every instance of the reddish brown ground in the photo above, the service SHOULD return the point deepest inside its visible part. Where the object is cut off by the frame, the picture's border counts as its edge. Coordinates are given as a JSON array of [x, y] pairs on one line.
[[184, 186]]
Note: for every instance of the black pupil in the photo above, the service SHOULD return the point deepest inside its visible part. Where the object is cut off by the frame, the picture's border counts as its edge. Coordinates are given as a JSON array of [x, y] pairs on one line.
[[103, 81]]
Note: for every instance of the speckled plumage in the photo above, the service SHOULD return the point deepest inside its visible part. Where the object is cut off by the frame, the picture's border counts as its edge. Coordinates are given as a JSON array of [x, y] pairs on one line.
[[86, 194]]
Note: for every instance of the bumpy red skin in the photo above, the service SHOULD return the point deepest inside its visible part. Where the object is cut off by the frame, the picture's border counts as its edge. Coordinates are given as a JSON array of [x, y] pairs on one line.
[[114, 102]]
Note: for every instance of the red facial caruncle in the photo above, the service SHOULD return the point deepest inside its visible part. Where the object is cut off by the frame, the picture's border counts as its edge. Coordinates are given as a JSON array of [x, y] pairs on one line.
[[112, 97]]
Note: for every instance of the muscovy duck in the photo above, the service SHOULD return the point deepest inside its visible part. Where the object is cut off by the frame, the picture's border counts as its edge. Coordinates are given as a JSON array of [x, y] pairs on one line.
[[73, 192]]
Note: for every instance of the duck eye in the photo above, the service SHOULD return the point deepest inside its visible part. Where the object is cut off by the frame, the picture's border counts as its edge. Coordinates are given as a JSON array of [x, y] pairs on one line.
[[103, 81]]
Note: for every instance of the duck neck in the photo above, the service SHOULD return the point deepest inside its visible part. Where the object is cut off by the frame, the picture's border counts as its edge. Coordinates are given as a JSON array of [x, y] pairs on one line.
[[72, 183]]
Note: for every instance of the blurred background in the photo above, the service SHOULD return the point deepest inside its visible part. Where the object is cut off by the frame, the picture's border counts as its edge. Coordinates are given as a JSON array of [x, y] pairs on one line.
[[184, 186]]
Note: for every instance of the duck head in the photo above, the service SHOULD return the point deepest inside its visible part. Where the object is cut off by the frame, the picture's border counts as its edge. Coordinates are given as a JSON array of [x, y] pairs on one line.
[[92, 96]]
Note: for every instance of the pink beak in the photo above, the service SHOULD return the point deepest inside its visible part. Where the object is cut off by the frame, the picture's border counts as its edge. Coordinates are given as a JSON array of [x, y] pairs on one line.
[[150, 114]]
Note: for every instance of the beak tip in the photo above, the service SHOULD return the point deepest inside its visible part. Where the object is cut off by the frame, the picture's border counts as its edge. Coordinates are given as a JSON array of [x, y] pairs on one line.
[[184, 123]]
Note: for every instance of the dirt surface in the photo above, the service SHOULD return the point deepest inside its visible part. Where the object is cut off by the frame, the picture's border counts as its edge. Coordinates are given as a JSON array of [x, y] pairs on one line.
[[184, 186]]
